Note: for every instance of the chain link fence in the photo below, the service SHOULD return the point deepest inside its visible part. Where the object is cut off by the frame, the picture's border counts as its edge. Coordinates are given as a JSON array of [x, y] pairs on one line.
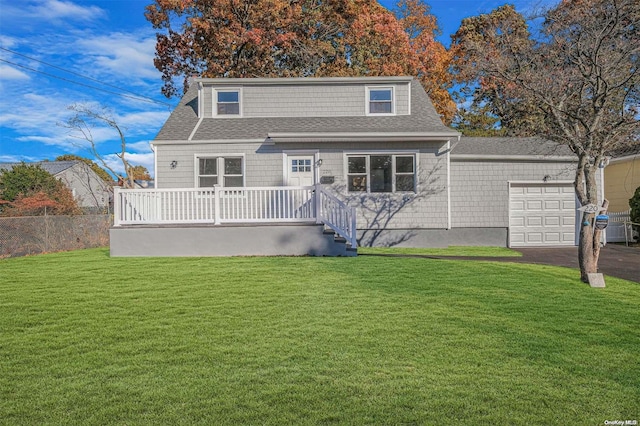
[[21, 236]]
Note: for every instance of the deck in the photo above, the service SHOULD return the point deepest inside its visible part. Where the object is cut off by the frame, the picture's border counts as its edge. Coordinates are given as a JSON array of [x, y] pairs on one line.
[[246, 221]]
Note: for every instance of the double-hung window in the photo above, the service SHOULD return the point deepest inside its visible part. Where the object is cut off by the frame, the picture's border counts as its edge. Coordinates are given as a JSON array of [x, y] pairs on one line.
[[223, 171], [381, 173], [227, 102], [380, 101]]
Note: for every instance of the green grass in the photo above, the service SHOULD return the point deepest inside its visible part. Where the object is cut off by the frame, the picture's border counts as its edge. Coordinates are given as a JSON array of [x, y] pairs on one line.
[[88, 339], [449, 251]]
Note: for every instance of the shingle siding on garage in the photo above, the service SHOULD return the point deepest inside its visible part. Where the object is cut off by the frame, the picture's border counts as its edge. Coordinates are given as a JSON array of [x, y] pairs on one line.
[[480, 189]]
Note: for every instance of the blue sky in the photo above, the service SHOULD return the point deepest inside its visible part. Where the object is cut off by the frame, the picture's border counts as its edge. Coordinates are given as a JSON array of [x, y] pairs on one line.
[[111, 44]]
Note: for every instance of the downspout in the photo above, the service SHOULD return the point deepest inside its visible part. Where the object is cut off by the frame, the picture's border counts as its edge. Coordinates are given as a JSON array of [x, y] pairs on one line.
[[449, 223], [155, 164]]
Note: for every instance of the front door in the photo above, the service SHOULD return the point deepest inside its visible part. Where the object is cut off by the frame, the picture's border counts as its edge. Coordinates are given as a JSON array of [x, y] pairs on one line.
[[300, 170]]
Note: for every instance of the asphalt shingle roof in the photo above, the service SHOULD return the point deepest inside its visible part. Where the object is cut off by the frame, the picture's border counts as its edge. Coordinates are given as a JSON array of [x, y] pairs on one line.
[[505, 146], [182, 121], [53, 167]]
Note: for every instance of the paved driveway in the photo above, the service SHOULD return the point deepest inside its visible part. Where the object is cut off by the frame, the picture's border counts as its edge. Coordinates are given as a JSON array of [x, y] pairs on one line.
[[616, 260]]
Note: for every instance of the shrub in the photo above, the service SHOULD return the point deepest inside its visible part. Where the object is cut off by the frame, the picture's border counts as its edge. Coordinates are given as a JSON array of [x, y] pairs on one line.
[[634, 203]]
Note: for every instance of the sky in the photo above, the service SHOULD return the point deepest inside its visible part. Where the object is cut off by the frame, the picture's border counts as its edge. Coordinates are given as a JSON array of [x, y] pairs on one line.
[[56, 53]]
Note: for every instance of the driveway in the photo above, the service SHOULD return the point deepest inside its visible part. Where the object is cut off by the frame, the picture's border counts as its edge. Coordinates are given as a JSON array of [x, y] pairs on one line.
[[616, 260]]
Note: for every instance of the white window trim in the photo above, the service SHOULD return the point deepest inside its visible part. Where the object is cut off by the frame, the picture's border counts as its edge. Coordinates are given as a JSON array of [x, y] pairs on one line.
[[367, 100], [393, 154], [220, 158], [214, 100]]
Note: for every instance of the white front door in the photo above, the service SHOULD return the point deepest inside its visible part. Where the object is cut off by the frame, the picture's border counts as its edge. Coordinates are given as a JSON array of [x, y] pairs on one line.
[[300, 170]]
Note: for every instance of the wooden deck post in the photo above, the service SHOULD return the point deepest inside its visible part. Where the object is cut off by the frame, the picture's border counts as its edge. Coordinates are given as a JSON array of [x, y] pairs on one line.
[[216, 204], [116, 206], [317, 199]]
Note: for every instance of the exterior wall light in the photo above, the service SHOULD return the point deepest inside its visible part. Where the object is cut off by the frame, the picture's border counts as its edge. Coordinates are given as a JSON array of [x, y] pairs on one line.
[[173, 164]]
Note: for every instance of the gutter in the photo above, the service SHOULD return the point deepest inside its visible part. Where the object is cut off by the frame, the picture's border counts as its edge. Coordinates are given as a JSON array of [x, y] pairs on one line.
[[494, 157], [360, 137]]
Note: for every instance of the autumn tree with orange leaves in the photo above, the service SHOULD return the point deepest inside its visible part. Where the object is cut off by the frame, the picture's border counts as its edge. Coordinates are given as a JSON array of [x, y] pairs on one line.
[[276, 38], [29, 190]]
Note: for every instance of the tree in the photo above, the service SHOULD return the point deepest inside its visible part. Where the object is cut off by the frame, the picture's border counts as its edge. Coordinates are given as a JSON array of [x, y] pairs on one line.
[[434, 60], [482, 38], [634, 204], [277, 38], [477, 120], [579, 77], [30, 190], [84, 120], [140, 173]]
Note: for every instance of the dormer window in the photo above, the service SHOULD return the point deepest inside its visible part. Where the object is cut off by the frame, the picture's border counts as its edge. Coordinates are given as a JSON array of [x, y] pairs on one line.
[[380, 101], [227, 102]]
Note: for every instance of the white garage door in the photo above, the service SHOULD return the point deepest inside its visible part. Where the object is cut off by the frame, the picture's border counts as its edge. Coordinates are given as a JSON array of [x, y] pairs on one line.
[[541, 214]]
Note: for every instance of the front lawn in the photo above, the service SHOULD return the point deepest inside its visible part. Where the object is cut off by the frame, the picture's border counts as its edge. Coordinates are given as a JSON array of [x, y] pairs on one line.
[[88, 339]]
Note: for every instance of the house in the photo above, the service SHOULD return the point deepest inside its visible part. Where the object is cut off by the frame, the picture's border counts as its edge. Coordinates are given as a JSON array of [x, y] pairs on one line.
[[267, 166], [621, 178], [88, 189]]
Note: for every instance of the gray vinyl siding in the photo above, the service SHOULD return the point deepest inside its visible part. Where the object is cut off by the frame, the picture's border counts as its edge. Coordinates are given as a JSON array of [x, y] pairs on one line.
[[89, 189], [402, 92], [321, 100], [264, 167], [480, 189]]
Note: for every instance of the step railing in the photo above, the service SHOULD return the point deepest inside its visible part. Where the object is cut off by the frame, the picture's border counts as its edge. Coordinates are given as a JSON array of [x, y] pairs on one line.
[[235, 205], [337, 215]]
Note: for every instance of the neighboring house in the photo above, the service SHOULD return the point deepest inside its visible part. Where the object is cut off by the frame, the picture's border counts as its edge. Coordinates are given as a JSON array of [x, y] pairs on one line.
[[328, 152], [621, 178], [88, 189]]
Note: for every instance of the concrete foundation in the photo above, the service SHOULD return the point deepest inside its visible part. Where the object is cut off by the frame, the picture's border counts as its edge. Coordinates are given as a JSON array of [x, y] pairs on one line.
[[249, 240], [435, 238]]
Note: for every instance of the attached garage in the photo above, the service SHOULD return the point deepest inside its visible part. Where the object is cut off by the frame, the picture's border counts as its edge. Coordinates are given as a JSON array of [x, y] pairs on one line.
[[541, 214]]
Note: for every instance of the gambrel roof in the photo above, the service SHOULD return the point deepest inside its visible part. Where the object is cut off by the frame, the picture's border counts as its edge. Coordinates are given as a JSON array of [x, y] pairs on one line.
[[423, 122]]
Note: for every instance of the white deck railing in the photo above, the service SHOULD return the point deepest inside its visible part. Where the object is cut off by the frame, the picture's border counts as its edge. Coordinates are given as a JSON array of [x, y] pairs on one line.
[[337, 215], [234, 205]]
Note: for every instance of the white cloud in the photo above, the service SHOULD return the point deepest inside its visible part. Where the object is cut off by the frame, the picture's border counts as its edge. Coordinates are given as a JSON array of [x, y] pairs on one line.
[[10, 73], [55, 10], [37, 117], [142, 122], [8, 42], [30, 14], [127, 55], [140, 147], [17, 159], [134, 159]]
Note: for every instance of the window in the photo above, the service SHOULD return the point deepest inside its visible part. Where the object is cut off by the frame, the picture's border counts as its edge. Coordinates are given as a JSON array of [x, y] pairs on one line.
[[380, 100], [301, 166], [381, 173], [228, 102], [224, 171]]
